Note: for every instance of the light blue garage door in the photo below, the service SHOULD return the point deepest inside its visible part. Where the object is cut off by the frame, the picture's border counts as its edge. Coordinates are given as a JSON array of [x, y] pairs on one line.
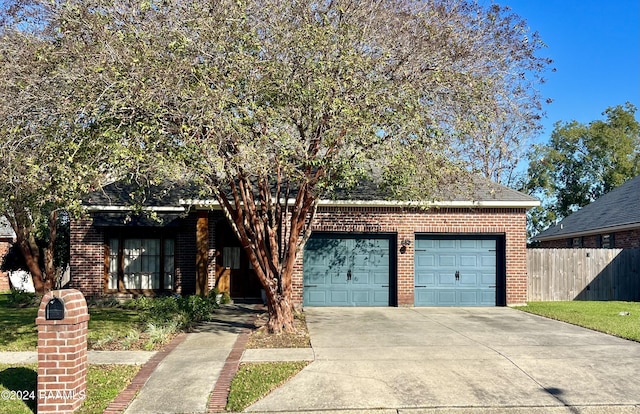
[[455, 272], [346, 271]]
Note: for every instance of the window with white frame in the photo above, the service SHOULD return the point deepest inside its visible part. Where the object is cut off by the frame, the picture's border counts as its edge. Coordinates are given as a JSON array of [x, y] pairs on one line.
[[605, 241], [141, 264]]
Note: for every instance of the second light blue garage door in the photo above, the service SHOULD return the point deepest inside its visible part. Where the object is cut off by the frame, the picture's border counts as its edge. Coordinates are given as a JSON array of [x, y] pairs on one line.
[[455, 272], [346, 270]]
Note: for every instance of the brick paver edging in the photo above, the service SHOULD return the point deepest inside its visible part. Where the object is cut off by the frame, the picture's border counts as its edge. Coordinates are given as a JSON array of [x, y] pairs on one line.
[[122, 401], [220, 393]]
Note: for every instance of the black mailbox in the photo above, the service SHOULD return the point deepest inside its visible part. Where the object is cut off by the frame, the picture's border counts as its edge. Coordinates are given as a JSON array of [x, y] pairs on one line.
[[54, 310]]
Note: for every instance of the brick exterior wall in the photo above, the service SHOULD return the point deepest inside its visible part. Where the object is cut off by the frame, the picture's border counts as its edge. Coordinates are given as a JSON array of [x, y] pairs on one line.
[[4, 276], [87, 261], [628, 239], [406, 223], [62, 354], [87, 254]]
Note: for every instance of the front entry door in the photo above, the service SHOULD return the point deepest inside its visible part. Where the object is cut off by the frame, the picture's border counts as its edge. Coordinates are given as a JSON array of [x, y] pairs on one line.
[[233, 270]]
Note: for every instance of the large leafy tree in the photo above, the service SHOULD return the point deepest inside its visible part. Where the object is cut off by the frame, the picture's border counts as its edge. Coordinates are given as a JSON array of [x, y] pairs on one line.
[[51, 149], [271, 105], [581, 162], [33, 141]]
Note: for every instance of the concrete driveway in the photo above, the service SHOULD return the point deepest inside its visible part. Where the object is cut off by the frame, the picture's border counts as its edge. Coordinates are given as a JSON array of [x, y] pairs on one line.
[[458, 360]]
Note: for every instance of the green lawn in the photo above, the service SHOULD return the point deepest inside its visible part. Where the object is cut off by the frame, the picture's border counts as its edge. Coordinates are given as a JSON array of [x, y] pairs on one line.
[[19, 331], [18, 326], [599, 316], [255, 380], [104, 383]]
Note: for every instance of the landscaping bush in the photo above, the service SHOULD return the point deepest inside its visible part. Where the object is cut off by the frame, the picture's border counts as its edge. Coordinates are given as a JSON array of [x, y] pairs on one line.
[[196, 308], [21, 299], [103, 302], [181, 312]]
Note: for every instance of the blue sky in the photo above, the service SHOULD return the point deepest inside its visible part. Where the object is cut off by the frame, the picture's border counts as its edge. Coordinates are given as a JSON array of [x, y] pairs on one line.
[[595, 46]]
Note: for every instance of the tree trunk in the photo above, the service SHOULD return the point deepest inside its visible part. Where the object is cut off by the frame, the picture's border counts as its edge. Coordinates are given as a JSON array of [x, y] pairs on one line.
[[21, 225], [280, 314], [49, 252], [30, 252]]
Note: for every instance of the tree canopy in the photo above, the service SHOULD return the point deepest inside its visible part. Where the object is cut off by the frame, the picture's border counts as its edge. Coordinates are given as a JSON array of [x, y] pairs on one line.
[[581, 162], [270, 105]]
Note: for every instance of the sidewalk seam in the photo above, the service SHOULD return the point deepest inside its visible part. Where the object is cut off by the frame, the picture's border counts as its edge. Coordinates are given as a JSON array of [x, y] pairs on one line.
[[220, 394], [126, 396]]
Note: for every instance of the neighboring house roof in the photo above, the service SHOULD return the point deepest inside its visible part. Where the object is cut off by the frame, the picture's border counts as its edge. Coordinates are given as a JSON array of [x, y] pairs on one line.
[[615, 211], [6, 232], [177, 196]]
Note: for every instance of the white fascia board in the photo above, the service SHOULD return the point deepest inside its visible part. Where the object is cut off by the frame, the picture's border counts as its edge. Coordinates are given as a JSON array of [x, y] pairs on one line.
[[392, 203], [452, 204], [160, 209], [601, 230]]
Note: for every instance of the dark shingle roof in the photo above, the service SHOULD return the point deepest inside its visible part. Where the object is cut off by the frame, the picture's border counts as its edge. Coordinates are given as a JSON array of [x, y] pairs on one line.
[[126, 194], [177, 194], [480, 190], [619, 207]]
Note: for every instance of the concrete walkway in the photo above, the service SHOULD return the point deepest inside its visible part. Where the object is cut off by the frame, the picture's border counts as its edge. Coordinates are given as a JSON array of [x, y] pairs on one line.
[[94, 357], [184, 379]]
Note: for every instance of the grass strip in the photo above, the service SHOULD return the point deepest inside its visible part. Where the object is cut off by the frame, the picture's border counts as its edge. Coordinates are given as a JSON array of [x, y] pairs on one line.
[[255, 380], [620, 319], [104, 383]]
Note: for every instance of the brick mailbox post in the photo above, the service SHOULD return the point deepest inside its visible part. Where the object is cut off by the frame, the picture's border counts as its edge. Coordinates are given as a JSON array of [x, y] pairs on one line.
[[62, 323]]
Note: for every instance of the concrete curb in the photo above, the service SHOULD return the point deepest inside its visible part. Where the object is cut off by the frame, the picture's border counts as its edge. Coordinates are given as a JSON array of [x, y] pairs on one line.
[[599, 409]]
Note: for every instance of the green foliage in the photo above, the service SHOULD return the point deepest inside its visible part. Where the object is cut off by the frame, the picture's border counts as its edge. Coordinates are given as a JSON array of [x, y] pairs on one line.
[[104, 383], [599, 316], [183, 312], [22, 299], [582, 162], [154, 320], [257, 103], [256, 380], [109, 324], [160, 334]]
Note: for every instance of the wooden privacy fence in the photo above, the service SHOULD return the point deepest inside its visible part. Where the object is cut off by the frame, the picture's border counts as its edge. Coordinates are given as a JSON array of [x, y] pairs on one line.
[[583, 274]]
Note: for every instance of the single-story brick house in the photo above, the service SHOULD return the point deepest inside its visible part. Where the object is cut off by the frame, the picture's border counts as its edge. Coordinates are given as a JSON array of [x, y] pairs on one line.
[[364, 250], [611, 221]]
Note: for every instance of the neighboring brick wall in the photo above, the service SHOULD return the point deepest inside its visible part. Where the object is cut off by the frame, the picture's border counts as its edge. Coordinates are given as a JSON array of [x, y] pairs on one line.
[[555, 244], [628, 239], [408, 222], [4, 276]]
